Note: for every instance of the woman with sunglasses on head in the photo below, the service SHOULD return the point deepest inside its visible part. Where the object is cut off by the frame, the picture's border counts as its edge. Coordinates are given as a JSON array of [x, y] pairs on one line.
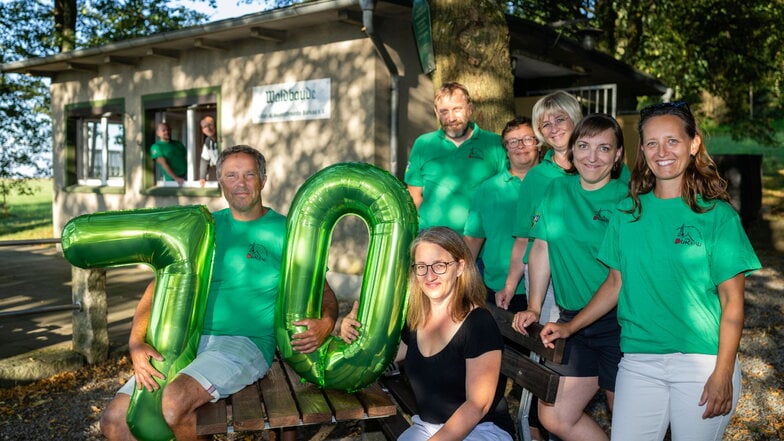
[[678, 258], [451, 345], [569, 227]]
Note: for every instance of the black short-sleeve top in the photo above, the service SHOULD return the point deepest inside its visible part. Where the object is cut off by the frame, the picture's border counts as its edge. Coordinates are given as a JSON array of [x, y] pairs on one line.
[[439, 381]]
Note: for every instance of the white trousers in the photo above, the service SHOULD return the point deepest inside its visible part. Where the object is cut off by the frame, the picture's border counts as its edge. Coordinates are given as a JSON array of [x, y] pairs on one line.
[[422, 431], [654, 391]]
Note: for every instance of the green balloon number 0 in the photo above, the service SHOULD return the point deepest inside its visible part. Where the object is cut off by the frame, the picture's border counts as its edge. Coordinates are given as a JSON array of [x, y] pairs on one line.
[[385, 205], [177, 243]]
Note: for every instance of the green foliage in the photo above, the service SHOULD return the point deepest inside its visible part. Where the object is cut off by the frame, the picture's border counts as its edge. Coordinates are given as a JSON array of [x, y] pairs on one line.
[[729, 49], [103, 21]]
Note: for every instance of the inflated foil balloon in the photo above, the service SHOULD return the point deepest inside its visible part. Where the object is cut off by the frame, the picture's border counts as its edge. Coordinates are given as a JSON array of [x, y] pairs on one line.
[[177, 242], [383, 202]]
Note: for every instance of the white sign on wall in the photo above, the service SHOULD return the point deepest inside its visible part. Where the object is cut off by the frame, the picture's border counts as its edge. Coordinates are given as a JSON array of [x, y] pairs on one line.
[[293, 101]]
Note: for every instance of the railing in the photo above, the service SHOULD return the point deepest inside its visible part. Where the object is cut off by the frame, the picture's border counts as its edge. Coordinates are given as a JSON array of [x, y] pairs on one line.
[[90, 330], [22, 242], [601, 98]]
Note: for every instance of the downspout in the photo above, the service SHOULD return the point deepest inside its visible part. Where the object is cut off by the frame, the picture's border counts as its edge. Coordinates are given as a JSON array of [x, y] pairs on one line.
[[368, 8]]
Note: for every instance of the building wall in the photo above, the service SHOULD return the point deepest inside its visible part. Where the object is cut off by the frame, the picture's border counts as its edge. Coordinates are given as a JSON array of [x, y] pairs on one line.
[[295, 150]]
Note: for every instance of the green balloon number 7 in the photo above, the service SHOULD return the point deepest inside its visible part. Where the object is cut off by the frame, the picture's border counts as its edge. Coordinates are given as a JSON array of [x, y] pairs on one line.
[[178, 243]]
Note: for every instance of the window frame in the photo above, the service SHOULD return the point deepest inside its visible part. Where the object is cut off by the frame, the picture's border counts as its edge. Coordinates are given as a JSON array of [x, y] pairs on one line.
[[191, 104], [75, 116]]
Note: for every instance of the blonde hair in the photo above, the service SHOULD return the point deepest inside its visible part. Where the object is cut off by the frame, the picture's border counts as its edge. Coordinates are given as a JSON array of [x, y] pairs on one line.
[[558, 101], [469, 292]]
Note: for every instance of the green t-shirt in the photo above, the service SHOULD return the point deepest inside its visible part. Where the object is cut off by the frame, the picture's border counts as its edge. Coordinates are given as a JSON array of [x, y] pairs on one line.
[[176, 156], [671, 262], [533, 189], [245, 278], [450, 175], [491, 217], [573, 221]]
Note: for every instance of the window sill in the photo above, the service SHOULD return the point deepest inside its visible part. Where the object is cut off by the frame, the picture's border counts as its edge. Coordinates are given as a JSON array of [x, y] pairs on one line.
[[100, 189], [213, 192]]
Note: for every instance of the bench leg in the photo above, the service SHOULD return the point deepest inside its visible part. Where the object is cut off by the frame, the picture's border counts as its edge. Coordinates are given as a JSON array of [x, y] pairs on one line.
[[524, 428]]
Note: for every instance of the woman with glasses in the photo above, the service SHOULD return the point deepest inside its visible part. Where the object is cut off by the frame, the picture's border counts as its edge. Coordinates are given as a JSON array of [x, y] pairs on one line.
[[554, 117], [569, 227], [451, 345], [488, 230], [678, 258]]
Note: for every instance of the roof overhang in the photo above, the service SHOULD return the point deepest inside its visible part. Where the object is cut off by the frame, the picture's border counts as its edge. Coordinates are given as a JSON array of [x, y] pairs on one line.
[[545, 59], [271, 25]]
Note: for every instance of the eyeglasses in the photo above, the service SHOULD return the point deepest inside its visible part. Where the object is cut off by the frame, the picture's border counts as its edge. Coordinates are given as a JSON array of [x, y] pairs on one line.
[[420, 269], [518, 143], [661, 108], [559, 121]]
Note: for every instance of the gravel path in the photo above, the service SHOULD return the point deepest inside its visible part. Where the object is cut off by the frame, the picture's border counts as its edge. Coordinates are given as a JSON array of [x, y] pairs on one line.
[[68, 406]]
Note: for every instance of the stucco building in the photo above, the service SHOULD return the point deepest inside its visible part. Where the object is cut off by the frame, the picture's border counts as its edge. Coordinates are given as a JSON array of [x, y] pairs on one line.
[[310, 85]]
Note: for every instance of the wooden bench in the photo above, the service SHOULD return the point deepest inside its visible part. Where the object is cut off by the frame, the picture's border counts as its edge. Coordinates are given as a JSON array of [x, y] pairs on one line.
[[281, 400], [517, 364]]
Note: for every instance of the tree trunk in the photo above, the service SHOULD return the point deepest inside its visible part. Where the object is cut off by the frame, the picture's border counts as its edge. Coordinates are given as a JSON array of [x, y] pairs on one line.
[[471, 45], [65, 24]]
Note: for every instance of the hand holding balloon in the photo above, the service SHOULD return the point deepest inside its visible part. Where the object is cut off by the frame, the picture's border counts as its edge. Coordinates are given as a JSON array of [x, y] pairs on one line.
[[143, 370], [349, 327]]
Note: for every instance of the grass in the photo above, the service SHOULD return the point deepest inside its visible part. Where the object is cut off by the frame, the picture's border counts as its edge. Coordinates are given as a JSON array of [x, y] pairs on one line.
[[29, 216], [718, 142]]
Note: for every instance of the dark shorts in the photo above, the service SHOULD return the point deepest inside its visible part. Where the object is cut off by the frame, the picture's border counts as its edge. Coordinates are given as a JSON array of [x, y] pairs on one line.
[[594, 351], [518, 303]]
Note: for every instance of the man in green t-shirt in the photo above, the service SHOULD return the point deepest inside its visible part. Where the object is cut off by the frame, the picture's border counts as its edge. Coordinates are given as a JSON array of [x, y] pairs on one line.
[[237, 342], [446, 166], [170, 155]]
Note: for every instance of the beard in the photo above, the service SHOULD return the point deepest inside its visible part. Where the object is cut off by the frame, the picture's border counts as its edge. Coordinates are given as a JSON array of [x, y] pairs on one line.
[[457, 130]]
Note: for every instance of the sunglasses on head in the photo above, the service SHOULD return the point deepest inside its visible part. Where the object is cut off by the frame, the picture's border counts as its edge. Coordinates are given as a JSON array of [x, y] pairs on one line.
[[659, 107]]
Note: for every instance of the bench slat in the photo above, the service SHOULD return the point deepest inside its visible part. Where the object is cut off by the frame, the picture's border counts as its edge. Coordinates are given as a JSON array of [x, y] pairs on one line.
[[211, 418], [247, 413], [376, 402], [345, 405], [531, 341], [314, 406], [399, 387], [280, 406], [540, 380]]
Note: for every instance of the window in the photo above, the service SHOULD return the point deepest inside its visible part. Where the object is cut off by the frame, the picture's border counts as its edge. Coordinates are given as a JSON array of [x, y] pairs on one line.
[[95, 144], [181, 111]]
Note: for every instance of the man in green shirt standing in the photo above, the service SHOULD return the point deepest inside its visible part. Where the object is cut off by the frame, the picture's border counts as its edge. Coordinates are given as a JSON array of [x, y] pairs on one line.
[[170, 155], [446, 166]]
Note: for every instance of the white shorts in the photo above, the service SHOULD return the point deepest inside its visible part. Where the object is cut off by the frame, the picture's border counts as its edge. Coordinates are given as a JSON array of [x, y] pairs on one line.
[[422, 431], [224, 364]]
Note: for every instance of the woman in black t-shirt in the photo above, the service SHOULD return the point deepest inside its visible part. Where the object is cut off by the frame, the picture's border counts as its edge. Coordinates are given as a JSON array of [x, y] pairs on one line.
[[451, 345]]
